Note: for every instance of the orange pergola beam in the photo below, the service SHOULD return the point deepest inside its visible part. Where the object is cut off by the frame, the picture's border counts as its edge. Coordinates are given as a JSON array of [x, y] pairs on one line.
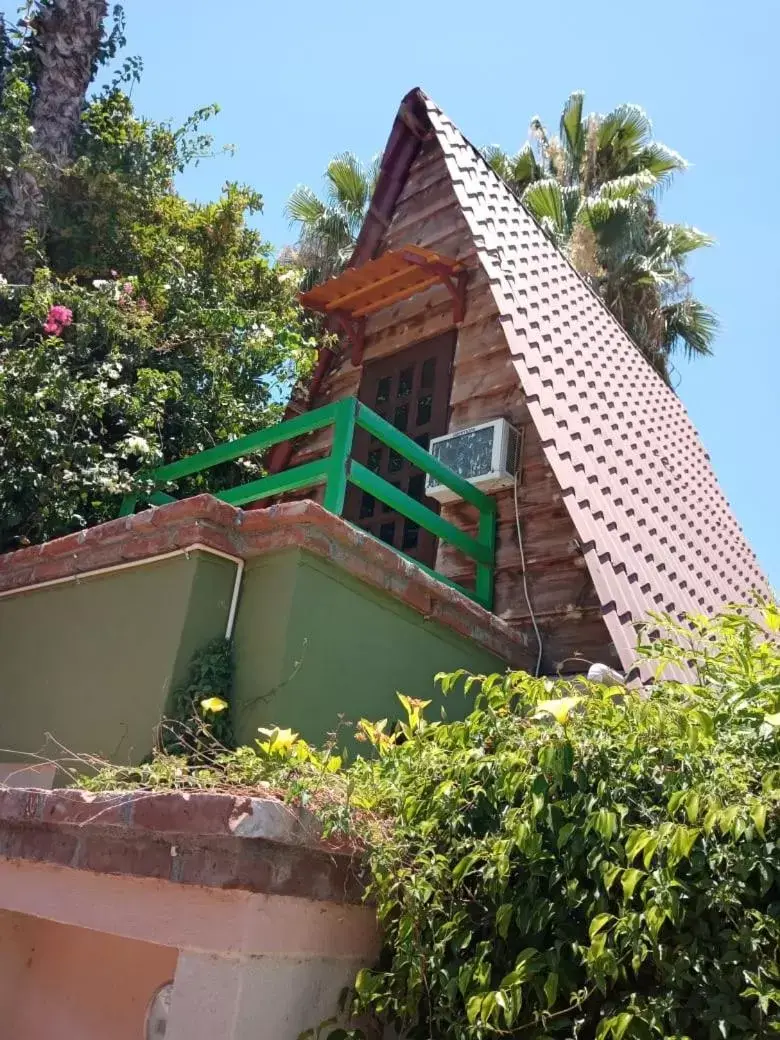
[[388, 279]]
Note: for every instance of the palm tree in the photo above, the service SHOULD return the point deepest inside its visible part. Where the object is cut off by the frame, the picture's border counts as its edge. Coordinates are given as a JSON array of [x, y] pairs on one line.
[[65, 48], [588, 152], [328, 228], [592, 188], [644, 283]]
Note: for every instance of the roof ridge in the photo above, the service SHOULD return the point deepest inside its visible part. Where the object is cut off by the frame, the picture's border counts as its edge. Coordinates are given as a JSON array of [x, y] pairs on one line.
[[478, 152]]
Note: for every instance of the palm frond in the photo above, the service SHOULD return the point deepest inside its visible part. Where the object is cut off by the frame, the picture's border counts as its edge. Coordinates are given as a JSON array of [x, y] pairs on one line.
[[691, 325], [497, 159], [303, 206], [518, 171], [659, 160], [684, 239], [330, 227], [609, 219], [573, 129], [372, 173], [545, 201], [626, 127], [627, 187], [524, 169], [348, 183], [572, 203]]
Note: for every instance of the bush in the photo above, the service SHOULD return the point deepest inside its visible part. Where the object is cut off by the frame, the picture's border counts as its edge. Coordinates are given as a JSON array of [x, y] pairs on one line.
[[574, 860], [571, 860], [155, 327], [123, 384]]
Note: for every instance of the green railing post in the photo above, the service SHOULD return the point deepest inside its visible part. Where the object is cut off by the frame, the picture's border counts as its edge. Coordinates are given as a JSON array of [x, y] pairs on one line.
[[341, 449], [486, 535], [129, 502], [409, 507]]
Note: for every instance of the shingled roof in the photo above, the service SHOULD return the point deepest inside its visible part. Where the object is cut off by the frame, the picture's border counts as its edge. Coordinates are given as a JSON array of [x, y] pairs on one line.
[[656, 530]]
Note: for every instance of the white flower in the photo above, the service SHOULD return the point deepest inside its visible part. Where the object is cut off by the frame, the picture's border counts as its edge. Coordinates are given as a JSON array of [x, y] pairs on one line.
[[137, 445], [292, 275]]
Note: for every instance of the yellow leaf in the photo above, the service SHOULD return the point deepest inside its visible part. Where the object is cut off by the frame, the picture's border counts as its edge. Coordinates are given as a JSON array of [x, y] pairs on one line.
[[278, 739], [773, 720], [772, 617], [285, 738], [758, 812], [599, 922], [559, 709], [629, 881], [213, 704]]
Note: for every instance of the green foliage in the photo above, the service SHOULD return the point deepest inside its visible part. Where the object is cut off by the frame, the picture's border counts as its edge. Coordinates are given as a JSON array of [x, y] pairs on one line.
[[593, 188], [184, 334], [574, 860], [200, 708], [133, 383], [16, 91], [570, 860], [328, 228]]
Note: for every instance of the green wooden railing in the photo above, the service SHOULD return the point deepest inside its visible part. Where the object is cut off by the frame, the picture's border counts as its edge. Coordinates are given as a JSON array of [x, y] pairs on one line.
[[336, 471]]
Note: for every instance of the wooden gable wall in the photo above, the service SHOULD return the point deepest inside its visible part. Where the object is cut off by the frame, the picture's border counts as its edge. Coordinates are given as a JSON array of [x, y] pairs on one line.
[[485, 386]]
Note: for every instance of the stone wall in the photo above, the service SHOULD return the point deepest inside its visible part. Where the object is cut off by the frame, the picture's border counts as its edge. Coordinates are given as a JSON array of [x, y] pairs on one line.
[[257, 921]]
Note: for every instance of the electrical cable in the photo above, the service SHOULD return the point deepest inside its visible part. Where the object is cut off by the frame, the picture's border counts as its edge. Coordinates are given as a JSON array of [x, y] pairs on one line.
[[525, 575]]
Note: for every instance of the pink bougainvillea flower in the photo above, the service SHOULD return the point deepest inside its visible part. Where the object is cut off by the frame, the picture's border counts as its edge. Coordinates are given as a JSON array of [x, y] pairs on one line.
[[127, 288], [57, 319], [62, 315]]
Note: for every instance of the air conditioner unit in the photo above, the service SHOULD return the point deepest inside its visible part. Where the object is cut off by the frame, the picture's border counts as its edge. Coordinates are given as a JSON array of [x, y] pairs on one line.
[[486, 455]]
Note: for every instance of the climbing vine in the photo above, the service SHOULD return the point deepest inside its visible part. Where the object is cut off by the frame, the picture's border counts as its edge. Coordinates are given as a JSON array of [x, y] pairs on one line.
[[200, 715], [571, 860]]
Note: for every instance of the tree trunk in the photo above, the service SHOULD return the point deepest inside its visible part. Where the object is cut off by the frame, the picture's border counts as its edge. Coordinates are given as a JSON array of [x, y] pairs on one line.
[[68, 37]]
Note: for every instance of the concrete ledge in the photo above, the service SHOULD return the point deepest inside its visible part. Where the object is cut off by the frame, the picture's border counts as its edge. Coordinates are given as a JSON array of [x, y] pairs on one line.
[[200, 838], [204, 521]]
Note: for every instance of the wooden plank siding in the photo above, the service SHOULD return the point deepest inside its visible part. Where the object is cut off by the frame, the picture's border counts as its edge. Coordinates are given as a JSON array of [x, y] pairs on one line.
[[485, 386]]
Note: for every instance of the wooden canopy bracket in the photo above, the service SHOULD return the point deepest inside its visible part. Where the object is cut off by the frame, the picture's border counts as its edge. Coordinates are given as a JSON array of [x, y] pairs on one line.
[[454, 281], [355, 331], [390, 278]]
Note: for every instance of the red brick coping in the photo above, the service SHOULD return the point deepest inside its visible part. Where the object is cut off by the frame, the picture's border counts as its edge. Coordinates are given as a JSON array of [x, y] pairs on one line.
[[203, 520], [202, 838]]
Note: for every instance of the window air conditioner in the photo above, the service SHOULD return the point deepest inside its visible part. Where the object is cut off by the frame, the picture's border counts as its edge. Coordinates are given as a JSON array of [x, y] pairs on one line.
[[486, 455]]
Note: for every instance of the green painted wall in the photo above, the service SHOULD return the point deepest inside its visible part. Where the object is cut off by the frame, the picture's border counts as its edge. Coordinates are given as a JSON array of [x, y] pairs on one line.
[[313, 643], [92, 662]]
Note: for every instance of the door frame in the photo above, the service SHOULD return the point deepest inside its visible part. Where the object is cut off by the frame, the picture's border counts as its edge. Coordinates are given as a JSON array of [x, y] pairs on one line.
[[372, 371]]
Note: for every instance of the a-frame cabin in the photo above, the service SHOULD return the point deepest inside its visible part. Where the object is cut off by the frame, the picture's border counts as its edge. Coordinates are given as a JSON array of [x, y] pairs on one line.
[[619, 509]]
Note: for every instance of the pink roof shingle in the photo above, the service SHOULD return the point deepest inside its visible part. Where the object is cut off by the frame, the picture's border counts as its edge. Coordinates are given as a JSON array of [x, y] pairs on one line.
[[656, 530]]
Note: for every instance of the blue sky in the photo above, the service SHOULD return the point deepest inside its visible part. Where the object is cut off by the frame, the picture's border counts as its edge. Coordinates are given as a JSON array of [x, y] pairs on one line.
[[299, 82]]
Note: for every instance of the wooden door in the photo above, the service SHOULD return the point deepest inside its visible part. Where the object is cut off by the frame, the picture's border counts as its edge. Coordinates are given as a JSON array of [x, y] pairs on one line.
[[411, 389]]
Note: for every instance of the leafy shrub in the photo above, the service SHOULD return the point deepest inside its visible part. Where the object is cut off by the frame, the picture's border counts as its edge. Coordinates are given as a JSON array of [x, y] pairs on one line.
[[571, 860], [200, 706], [127, 384], [178, 332]]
